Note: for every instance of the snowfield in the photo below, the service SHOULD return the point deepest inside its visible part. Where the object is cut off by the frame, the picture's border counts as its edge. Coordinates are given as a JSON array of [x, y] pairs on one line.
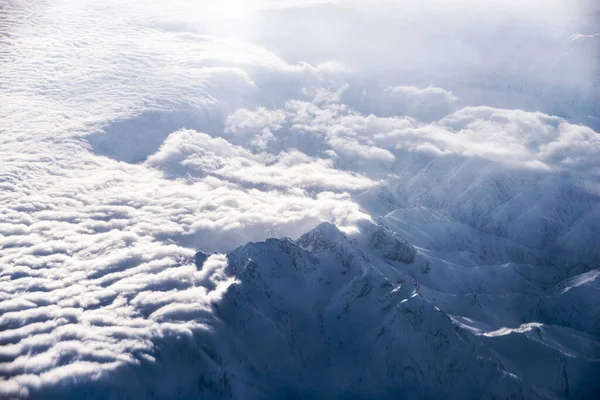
[[267, 200]]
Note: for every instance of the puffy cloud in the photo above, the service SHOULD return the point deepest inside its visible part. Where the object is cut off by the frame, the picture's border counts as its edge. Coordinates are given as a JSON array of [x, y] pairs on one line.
[[513, 137], [426, 104], [197, 154], [352, 148], [253, 121], [519, 137], [259, 124]]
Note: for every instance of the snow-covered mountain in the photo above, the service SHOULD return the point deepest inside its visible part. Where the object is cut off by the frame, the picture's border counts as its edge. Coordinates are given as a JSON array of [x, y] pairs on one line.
[[357, 316], [365, 314], [500, 213]]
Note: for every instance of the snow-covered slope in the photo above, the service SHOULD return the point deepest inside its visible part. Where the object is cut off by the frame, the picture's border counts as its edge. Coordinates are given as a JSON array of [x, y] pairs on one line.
[[335, 315], [512, 256], [498, 213], [352, 316]]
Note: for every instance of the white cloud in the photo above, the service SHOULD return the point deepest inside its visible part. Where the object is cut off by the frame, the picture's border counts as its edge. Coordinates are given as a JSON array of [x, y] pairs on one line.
[[253, 121], [512, 137], [426, 104], [189, 153]]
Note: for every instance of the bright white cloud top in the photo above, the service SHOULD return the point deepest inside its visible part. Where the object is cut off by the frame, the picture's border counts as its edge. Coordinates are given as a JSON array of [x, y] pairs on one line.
[[133, 135]]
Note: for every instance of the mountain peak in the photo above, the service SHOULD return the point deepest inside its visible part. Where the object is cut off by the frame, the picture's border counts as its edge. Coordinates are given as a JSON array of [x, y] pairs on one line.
[[323, 236]]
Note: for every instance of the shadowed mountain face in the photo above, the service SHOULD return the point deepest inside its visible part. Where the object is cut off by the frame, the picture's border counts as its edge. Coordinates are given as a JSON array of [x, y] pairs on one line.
[[346, 317], [332, 315]]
